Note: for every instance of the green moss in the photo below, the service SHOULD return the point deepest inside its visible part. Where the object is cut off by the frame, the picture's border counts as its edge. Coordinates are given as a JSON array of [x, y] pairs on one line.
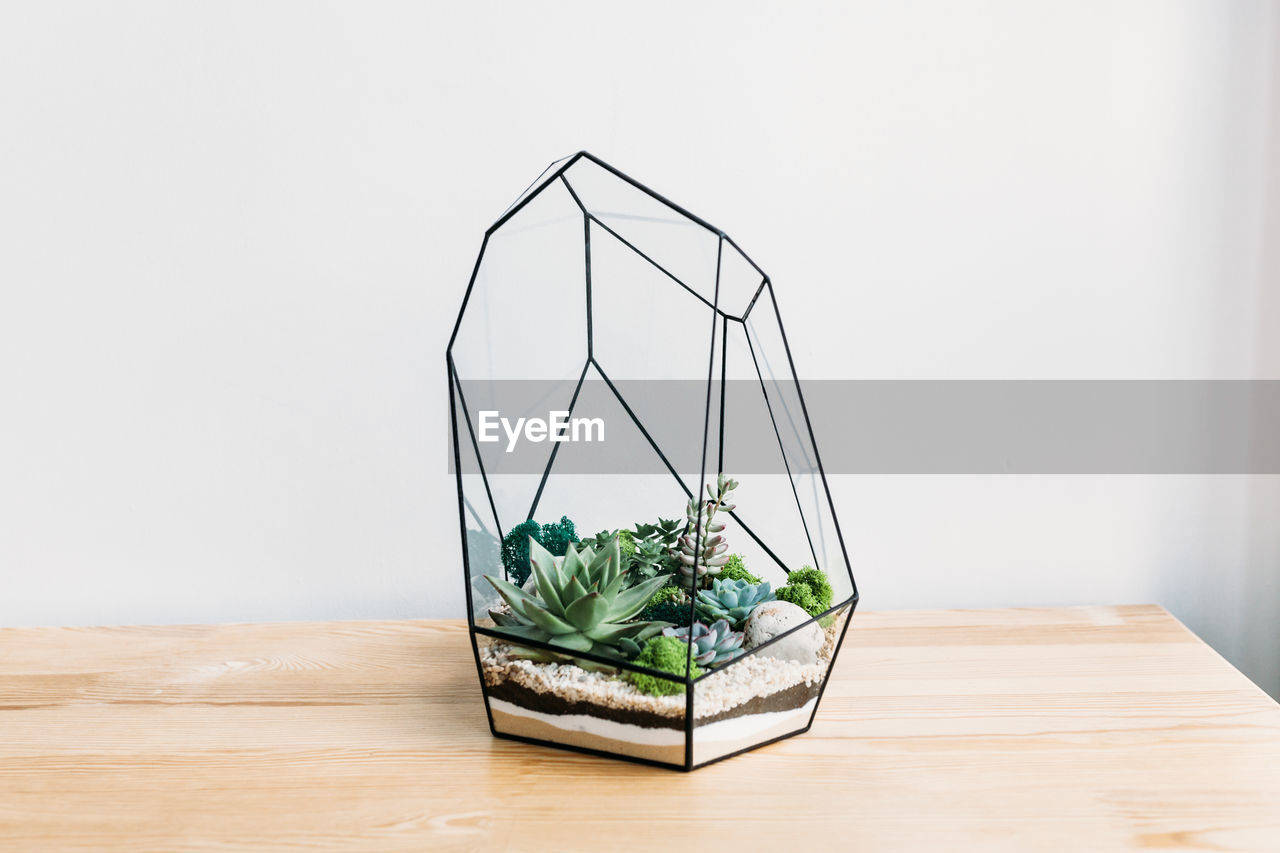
[[807, 588], [736, 570], [801, 596], [626, 544], [667, 593], [667, 654]]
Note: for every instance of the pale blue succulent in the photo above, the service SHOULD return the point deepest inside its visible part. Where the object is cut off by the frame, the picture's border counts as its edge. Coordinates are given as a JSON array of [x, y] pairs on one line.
[[732, 600], [712, 644]]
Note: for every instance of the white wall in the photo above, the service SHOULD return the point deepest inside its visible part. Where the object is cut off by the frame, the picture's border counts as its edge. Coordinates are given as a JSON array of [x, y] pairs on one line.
[[233, 237]]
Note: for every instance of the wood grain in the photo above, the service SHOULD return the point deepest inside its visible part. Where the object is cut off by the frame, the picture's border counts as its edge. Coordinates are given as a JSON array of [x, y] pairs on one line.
[[1088, 728]]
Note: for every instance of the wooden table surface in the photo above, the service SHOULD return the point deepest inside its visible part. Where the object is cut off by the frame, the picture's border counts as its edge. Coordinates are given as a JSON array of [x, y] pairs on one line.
[[1087, 728]]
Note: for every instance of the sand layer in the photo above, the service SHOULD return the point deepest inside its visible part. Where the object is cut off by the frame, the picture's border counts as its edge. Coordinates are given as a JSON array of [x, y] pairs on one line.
[[529, 727], [710, 744]]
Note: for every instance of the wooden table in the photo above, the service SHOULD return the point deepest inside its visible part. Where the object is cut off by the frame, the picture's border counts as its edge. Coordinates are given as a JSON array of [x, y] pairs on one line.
[[1087, 728]]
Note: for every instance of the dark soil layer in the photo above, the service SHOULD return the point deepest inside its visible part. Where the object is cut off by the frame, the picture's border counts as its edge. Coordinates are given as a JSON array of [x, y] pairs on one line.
[[784, 700], [549, 703]]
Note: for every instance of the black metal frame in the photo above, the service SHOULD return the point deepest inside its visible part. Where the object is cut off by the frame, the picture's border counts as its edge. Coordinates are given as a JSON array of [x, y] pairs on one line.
[[553, 173]]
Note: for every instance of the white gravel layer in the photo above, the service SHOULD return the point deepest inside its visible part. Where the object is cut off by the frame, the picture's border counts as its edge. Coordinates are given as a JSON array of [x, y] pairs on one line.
[[739, 682]]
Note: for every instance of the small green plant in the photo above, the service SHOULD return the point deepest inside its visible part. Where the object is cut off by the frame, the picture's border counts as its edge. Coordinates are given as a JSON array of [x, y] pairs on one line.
[[732, 600], [712, 644], [626, 543], [701, 547], [653, 543], [669, 604], [666, 594], [556, 538], [666, 654], [582, 604], [664, 531], [809, 589], [736, 570]]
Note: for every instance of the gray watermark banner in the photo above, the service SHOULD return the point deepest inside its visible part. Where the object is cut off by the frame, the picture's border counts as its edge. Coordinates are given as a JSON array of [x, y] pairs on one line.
[[870, 427]]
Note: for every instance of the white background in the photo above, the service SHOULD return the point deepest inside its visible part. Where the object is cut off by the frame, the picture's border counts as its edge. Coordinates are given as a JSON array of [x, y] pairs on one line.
[[233, 238]]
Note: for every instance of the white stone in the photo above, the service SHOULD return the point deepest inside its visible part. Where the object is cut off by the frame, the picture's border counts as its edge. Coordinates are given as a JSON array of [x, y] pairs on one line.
[[772, 618]]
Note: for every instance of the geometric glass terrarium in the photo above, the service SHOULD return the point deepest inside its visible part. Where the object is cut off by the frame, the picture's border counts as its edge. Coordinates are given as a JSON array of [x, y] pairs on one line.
[[654, 566]]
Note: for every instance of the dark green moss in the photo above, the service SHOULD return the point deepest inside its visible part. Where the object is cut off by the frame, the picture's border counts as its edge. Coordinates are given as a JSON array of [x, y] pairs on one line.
[[675, 612], [556, 538]]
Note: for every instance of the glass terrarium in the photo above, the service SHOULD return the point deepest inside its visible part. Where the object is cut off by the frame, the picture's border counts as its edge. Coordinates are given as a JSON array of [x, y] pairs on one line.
[[654, 566]]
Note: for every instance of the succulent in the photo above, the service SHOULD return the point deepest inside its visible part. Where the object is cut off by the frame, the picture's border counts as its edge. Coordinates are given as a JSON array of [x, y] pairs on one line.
[[809, 589], [626, 543], [667, 654], [652, 555], [732, 600], [582, 602], [712, 644], [652, 558], [735, 569], [556, 538], [700, 549], [665, 532]]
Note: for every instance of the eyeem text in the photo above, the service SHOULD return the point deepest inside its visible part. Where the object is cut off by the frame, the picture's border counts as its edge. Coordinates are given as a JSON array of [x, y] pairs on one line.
[[557, 426]]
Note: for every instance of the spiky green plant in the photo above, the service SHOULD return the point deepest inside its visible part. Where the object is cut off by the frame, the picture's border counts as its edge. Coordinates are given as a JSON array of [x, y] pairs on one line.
[[664, 531], [626, 542], [652, 555], [582, 602], [700, 549], [731, 599], [712, 644]]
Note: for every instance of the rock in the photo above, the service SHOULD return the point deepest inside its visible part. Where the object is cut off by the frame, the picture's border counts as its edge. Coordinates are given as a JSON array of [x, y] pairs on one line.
[[772, 618]]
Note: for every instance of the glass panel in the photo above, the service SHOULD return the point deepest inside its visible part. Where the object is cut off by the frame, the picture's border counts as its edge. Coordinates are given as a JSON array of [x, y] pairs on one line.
[[779, 385], [684, 248], [482, 532], [548, 701], [533, 187], [767, 503], [769, 693]]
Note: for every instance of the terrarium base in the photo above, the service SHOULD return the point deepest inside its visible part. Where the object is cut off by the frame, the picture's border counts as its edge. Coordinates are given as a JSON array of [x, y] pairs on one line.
[[667, 745], [726, 737]]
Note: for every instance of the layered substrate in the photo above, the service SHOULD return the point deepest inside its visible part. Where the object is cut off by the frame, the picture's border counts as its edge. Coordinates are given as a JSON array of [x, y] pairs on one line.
[[748, 702]]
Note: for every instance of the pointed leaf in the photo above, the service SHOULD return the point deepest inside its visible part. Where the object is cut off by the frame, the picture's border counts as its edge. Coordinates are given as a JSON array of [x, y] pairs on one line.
[[573, 591], [609, 633], [575, 641], [611, 591], [632, 601], [526, 632], [548, 622], [543, 565], [572, 567], [511, 594], [588, 611], [504, 619]]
